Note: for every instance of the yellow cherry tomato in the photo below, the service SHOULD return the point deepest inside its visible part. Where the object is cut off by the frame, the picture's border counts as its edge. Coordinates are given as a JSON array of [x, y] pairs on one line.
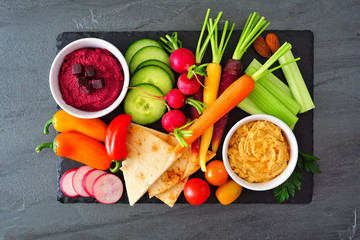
[[228, 192]]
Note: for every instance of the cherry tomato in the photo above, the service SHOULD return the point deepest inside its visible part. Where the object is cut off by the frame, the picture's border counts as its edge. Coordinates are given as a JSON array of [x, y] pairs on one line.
[[216, 173], [228, 192], [196, 191]]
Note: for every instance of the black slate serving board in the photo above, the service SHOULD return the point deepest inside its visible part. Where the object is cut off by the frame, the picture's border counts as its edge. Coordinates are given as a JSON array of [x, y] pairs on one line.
[[302, 42]]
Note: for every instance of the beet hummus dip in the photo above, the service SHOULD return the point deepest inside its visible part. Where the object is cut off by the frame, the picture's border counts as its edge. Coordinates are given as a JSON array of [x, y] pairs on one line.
[[106, 67]]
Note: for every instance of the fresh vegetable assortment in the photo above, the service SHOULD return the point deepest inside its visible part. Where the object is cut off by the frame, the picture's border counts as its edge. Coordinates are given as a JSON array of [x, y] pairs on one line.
[[211, 92]]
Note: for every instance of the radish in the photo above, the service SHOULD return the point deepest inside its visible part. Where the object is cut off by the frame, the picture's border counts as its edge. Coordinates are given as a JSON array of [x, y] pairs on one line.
[[188, 86], [77, 180], [108, 188], [175, 98], [173, 119], [181, 60], [66, 184], [89, 179]]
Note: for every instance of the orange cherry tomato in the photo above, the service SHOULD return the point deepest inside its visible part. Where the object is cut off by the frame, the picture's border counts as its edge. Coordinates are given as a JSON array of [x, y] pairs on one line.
[[228, 192], [216, 173]]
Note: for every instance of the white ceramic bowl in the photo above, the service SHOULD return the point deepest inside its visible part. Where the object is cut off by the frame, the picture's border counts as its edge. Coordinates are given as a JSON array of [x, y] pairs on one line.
[[56, 67], [277, 180]]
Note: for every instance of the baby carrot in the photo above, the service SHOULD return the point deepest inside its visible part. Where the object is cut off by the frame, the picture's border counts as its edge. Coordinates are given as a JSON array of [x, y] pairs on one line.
[[212, 82], [231, 97]]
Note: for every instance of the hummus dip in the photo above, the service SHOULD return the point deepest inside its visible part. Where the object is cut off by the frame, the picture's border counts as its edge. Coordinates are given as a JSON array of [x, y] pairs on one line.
[[106, 66], [258, 151]]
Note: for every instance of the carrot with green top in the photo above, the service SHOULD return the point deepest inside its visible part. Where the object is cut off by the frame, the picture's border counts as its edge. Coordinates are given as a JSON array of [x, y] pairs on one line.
[[199, 55], [212, 82], [231, 97], [234, 69]]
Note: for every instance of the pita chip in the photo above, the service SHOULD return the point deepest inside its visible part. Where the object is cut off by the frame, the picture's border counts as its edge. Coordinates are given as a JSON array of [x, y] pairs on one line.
[[148, 158], [170, 196]]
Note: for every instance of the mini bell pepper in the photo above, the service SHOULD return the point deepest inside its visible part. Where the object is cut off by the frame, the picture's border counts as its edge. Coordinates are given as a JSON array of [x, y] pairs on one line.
[[115, 141], [79, 147], [64, 122]]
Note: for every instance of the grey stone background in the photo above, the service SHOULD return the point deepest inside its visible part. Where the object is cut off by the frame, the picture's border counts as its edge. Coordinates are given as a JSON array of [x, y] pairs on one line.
[[28, 206]]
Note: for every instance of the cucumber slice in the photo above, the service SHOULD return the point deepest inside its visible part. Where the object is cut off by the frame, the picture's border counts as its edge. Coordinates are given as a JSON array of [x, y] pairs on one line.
[[137, 45], [160, 64], [153, 75], [144, 110], [147, 53]]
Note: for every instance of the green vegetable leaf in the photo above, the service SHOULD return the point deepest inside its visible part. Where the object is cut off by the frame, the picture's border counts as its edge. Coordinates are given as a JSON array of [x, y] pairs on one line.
[[287, 189], [305, 162], [308, 163]]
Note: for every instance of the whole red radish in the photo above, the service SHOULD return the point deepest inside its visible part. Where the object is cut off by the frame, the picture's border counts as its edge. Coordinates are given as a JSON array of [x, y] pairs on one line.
[[173, 119], [175, 98], [181, 60], [188, 86]]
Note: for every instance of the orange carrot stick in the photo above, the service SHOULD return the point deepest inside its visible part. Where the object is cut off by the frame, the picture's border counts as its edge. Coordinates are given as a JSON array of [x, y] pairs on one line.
[[230, 98]]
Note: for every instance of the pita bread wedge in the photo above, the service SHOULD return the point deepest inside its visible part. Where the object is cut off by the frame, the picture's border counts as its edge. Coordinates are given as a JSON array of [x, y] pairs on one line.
[[193, 167], [178, 171], [148, 158], [175, 172], [170, 196], [172, 176]]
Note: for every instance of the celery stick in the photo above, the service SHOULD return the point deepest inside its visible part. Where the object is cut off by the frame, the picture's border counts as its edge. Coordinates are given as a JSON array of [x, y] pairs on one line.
[[285, 99], [271, 105], [257, 65], [250, 107], [296, 83], [265, 100]]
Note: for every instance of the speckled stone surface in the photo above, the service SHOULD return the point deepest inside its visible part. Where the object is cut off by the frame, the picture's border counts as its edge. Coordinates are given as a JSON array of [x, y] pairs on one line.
[[28, 206]]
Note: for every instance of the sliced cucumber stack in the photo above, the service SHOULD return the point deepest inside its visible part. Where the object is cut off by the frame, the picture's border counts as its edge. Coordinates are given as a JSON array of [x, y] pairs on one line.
[[159, 64], [153, 75], [139, 44], [144, 110], [148, 53]]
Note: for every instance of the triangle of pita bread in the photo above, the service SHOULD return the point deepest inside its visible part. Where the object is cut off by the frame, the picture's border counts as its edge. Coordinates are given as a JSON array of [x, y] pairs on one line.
[[170, 196], [148, 158]]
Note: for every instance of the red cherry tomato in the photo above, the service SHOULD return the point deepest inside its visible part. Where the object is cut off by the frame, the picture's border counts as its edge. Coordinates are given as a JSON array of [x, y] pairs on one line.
[[216, 173], [196, 191]]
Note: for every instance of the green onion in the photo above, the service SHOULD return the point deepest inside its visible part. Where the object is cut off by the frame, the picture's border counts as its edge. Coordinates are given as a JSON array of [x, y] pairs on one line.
[[296, 83]]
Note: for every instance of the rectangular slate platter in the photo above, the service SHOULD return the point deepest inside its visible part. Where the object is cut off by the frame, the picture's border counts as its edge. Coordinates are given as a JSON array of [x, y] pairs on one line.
[[303, 47]]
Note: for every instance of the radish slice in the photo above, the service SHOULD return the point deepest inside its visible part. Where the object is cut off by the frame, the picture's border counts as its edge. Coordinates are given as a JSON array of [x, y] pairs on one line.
[[77, 180], [89, 180], [108, 188], [66, 183]]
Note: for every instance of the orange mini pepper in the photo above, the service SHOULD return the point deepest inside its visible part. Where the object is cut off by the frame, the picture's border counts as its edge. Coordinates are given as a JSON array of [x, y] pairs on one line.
[[64, 122], [80, 148]]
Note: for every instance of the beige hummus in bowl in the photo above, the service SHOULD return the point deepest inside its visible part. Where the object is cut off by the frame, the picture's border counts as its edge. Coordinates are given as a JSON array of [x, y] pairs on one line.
[[260, 152]]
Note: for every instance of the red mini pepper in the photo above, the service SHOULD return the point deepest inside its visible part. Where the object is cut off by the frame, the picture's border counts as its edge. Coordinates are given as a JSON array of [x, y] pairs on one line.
[[115, 140]]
